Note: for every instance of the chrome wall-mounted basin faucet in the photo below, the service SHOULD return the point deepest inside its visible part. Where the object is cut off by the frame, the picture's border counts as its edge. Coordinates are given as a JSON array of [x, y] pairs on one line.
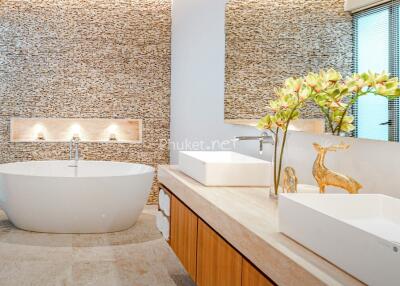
[[264, 138]]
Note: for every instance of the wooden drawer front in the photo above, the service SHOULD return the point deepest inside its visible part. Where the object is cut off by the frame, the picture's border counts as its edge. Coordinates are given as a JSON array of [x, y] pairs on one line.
[[218, 264], [183, 239], [251, 276]]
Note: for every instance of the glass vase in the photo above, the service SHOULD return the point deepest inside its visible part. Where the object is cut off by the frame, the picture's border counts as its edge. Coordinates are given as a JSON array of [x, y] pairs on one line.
[[275, 187], [278, 167]]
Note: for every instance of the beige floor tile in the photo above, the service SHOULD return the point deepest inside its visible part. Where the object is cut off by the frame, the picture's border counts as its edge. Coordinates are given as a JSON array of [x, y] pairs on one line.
[[94, 273], [135, 257], [29, 273]]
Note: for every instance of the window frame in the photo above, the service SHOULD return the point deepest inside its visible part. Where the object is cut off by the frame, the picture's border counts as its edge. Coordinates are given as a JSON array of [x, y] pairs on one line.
[[393, 8]]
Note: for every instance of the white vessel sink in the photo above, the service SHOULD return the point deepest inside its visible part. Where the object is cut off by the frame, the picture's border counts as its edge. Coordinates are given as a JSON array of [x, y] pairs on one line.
[[223, 168], [358, 233]]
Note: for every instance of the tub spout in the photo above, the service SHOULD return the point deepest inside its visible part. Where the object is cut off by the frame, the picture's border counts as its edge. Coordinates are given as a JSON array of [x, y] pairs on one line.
[[74, 148]]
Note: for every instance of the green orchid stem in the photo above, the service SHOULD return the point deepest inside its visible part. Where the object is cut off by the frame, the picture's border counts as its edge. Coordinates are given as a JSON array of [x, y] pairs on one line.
[[278, 177], [328, 119], [275, 157], [338, 128]]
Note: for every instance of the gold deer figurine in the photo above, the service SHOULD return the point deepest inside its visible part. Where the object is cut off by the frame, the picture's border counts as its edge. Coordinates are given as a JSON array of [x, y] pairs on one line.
[[326, 177]]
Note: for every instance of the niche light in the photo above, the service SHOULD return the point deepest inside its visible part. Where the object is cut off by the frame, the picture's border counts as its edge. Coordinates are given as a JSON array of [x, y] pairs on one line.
[[112, 131], [39, 132], [76, 131]]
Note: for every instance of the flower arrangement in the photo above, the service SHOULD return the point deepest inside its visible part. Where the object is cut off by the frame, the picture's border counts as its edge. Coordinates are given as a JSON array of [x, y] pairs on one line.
[[332, 94], [335, 96]]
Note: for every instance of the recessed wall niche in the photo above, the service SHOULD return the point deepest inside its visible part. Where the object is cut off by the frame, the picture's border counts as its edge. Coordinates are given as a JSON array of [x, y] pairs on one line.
[[87, 130]]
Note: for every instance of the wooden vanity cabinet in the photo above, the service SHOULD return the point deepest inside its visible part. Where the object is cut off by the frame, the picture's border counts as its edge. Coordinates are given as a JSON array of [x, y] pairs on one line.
[[206, 256], [217, 262], [183, 238]]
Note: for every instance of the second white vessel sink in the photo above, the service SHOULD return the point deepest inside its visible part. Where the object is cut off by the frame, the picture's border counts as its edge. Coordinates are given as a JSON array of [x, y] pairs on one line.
[[358, 233], [225, 168]]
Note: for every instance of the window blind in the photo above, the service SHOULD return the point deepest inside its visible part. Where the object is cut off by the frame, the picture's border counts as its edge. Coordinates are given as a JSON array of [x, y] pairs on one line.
[[376, 48]]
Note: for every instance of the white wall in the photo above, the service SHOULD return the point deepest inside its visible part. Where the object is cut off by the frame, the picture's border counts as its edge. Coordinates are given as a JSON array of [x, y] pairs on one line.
[[197, 106]]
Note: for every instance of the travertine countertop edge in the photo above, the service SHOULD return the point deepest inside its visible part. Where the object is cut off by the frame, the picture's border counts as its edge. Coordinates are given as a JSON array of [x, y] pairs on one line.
[[279, 257]]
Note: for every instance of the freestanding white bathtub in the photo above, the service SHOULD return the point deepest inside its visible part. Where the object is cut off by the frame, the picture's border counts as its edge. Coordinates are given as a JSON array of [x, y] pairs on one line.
[[95, 197]]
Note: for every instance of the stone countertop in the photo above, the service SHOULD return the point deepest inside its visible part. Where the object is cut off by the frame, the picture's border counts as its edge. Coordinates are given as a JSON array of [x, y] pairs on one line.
[[248, 219]]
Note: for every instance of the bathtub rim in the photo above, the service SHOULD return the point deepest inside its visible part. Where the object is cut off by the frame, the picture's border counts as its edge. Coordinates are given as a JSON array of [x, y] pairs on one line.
[[148, 170]]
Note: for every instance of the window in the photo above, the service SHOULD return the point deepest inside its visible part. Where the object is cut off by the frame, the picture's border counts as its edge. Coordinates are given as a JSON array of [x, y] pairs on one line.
[[376, 48]]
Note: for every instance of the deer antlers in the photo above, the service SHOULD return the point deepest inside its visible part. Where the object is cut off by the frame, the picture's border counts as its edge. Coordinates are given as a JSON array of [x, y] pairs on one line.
[[341, 146]]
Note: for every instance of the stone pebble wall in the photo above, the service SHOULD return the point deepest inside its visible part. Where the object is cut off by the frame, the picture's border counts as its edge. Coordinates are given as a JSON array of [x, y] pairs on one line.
[[268, 41], [86, 59]]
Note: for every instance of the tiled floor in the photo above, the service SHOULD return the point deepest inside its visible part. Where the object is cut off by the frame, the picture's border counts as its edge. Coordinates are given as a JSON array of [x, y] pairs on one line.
[[138, 256]]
